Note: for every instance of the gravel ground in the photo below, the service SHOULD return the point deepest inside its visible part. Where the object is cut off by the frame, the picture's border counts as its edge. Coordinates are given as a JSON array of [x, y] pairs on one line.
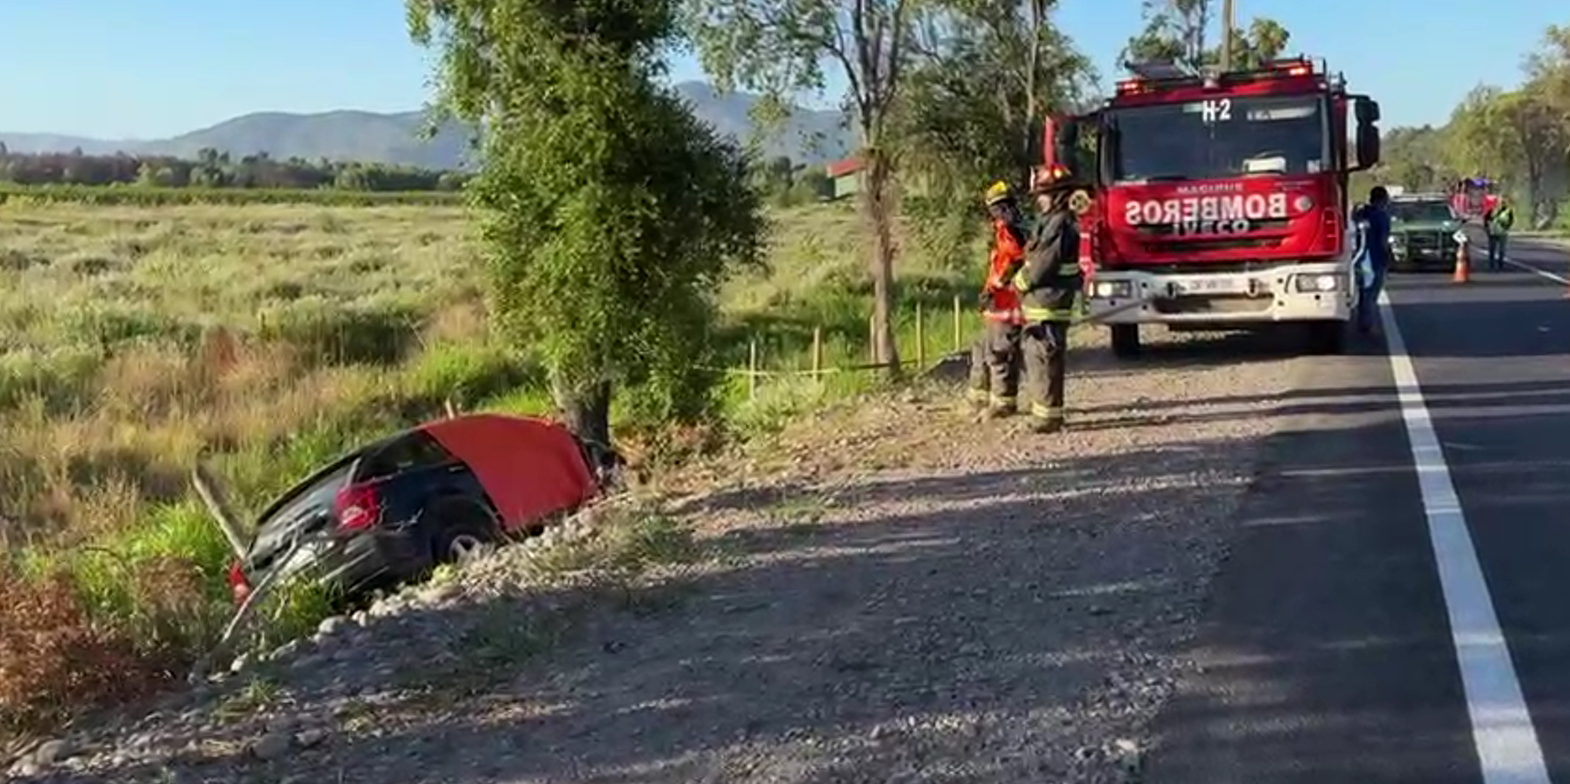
[[900, 594]]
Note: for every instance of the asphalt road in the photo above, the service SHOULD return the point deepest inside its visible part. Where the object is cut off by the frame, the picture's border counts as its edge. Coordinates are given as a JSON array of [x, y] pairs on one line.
[[1397, 608]]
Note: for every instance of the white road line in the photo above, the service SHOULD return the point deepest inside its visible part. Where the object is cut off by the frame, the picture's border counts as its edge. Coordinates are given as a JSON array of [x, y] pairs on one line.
[[1538, 271], [1521, 265], [1502, 728]]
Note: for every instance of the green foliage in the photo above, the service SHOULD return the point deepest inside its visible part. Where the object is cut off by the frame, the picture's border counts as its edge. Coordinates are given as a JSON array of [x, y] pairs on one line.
[[610, 214], [1175, 31], [214, 169], [1518, 137], [153, 196]]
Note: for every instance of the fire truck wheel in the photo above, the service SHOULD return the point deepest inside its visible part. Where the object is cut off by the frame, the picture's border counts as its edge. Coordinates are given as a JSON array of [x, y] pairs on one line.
[[1125, 340], [1327, 337]]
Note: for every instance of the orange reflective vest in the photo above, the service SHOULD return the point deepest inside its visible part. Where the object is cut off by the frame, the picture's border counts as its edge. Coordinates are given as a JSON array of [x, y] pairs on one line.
[[1007, 251]]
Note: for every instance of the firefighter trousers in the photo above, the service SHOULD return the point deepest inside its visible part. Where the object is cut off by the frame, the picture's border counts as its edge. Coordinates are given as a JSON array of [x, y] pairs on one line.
[[995, 365], [1044, 346]]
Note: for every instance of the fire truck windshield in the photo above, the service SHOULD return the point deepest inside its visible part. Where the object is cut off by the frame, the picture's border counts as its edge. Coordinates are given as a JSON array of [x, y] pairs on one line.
[[1219, 137]]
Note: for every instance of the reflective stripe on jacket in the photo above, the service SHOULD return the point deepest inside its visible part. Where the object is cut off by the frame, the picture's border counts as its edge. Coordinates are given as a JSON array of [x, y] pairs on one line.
[[1049, 278], [1500, 221]]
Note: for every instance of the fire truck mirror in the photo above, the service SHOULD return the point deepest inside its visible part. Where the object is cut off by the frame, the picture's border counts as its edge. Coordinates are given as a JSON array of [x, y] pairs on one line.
[[1367, 145], [1367, 111]]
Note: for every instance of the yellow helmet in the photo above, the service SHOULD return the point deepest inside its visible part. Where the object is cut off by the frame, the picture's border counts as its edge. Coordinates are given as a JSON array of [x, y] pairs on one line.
[[998, 192]]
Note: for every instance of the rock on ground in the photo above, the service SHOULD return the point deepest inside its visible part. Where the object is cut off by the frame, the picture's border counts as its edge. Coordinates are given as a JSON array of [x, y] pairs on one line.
[[903, 594]]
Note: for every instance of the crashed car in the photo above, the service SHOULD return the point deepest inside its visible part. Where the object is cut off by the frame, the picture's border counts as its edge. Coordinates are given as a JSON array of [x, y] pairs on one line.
[[1425, 233], [387, 513]]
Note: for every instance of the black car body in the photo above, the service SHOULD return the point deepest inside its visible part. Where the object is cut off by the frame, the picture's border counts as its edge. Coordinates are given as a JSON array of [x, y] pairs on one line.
[[388, 512]]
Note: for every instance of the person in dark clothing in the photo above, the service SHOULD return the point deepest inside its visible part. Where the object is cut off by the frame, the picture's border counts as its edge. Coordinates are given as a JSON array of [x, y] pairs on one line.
[[1375, 217], [1048, 279]]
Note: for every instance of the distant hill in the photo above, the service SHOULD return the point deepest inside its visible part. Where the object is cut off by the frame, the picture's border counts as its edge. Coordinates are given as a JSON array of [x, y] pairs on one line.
[[346, 135]]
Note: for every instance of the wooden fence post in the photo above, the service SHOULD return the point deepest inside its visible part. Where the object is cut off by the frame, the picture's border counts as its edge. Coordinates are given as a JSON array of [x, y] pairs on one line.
[[956, 325], [817, 353], [872, 340], [921, 337], [752, 369]]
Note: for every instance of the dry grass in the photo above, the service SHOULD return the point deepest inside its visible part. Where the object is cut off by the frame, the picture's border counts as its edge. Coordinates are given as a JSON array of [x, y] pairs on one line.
[[279, 336]]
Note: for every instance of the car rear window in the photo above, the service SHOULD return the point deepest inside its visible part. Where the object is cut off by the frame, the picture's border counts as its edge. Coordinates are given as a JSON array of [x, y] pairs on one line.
[[299, 506], [1421, 211], [405, 453]]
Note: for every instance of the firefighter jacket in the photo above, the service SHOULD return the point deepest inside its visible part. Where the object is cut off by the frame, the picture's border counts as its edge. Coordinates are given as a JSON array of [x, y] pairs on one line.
[[1049, 277], [1007, 253]]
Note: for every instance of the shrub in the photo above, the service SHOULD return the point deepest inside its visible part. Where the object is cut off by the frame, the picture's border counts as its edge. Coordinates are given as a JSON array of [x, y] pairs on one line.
[[53, 658]]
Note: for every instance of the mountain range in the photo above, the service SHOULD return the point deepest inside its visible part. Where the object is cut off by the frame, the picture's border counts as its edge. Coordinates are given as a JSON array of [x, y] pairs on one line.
[[808, 136]]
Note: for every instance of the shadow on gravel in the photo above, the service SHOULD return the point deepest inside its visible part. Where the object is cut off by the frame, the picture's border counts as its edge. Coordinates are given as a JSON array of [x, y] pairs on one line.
[[1189, 350], [983, 632]]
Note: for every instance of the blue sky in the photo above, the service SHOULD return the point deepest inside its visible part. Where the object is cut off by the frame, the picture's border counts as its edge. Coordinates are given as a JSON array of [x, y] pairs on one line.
[[154, 68]]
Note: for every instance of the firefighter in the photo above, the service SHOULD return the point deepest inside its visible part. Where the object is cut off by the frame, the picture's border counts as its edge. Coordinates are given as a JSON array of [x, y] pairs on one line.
[[994, 357], [1497, 222], [1048, 280]]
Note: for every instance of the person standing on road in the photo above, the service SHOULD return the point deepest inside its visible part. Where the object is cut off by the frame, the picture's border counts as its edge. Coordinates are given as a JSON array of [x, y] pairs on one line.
[[994, 357], [1497, 223], [1375, 218], [1048, 280]]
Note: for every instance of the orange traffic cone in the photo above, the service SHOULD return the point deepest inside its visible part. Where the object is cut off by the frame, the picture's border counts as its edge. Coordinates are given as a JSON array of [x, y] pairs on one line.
[[1463, 268]]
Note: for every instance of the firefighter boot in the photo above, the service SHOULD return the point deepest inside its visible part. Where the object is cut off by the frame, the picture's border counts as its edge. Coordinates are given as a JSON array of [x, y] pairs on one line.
[[1046, 425], [1000, 407]]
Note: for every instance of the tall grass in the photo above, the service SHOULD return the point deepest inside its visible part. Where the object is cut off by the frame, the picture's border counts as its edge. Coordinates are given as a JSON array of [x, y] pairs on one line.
[[280, 336]]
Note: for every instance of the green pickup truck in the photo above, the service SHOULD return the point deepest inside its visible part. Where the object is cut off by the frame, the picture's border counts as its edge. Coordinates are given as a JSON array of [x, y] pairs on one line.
[[1424, 233]]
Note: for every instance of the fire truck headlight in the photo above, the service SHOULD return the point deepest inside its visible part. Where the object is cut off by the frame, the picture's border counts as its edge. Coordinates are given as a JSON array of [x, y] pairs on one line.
[[1317, 283], [1114, 289]]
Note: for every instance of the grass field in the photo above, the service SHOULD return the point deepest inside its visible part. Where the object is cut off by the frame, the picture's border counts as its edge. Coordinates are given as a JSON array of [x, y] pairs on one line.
[[277, 336]]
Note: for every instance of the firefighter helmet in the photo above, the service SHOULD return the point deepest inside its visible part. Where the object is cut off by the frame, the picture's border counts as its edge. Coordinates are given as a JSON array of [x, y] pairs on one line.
[[1047, 179], [998, 192]]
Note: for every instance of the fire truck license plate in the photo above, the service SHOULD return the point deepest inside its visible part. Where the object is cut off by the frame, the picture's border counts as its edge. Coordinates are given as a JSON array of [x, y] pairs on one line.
[[1221, 286]]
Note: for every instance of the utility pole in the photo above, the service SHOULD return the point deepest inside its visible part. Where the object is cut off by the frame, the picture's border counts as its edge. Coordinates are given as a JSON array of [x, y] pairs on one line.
[[1226, 35]]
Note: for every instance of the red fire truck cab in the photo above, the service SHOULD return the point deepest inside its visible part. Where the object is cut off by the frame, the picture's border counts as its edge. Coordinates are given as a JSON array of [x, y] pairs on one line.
[[1472, 197], [1220, 200]]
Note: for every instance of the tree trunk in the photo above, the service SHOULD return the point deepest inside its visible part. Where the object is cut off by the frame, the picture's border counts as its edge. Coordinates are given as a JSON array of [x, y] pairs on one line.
[[1033, 122], [586, 412], [877, 207]]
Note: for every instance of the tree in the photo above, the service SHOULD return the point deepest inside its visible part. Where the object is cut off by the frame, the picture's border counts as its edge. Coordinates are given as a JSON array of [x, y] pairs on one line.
[[1415, 158], [1175, 31], [1515, 132], [780, 47], [985, 74], [609, 214]]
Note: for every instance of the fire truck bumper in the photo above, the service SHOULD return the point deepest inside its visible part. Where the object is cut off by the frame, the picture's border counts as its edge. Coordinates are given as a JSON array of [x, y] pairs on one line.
[[1300, 292]]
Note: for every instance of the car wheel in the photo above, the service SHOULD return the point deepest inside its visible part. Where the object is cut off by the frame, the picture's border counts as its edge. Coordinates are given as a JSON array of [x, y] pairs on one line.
[[462, 537]]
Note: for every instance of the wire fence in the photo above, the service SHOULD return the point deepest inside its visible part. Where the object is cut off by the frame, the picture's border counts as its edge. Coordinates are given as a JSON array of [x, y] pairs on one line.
[[922, 337]]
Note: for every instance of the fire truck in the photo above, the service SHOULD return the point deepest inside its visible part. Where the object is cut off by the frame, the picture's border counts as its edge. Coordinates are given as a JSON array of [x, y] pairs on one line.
[[1220, 199], [1471, 197]]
